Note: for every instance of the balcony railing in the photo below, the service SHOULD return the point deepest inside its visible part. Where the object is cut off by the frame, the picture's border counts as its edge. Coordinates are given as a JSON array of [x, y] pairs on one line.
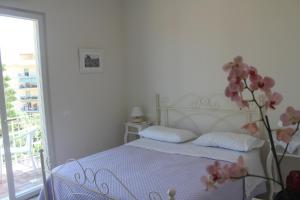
[[25, 136], [29, 97], [28, 85], [27, 78], [26, 109], [21, 127]]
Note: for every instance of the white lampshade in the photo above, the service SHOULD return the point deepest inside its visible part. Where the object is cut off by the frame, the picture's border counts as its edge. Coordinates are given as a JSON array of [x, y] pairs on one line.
[[137, 112]]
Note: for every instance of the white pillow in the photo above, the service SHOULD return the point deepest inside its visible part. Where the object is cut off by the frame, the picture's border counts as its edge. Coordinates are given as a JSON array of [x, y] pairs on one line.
[[166, 134], [227, 140]]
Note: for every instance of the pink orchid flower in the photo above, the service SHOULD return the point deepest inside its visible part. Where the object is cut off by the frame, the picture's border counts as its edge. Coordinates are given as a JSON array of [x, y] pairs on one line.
[[234, 94], [238, 169], [215, 171], [238, 59], [264, 84], [251, 128], [237, 63], [235, 76], [218, 174], [274, 100], [285, 135], [236, 85], [254, 77], [242, 103], [254, 81], [291, 116], [228, 66], [215, 176], [208, 183]]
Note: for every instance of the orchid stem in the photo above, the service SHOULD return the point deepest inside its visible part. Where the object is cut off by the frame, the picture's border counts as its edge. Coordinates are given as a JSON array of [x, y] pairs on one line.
[[284, 152], [260, 107], [274, 153], [266, 123], [257, 176]]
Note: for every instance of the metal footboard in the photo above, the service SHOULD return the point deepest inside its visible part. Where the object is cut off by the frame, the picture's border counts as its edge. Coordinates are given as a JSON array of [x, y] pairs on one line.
[[86, 177]]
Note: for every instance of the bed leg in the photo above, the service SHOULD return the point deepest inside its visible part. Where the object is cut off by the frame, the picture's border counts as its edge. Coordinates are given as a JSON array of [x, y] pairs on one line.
[[171, 194], [46, 194], [158, 110]]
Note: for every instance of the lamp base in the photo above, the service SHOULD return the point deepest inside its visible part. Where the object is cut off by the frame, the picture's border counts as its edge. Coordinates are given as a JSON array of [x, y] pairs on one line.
[[138, 119]]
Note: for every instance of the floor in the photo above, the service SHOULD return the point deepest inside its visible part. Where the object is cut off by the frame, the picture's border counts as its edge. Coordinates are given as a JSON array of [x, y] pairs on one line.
[[25, 177]]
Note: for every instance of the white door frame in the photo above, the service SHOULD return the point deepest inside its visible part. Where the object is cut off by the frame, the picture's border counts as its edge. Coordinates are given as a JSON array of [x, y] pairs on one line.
[[6, 143], [44, 92]]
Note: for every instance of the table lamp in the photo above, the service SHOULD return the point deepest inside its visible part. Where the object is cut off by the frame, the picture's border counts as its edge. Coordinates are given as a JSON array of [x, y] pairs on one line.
[[137, 115]]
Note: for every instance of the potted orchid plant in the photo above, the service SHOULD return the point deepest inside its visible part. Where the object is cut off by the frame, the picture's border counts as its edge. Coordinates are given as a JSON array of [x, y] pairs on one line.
[[245, 78]]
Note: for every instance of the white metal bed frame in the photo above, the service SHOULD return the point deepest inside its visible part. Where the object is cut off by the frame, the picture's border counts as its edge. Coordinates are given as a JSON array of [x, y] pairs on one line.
[[187, 106]]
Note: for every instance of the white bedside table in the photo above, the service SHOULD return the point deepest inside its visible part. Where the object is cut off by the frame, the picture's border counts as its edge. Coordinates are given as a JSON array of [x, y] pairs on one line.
[[135, 128]]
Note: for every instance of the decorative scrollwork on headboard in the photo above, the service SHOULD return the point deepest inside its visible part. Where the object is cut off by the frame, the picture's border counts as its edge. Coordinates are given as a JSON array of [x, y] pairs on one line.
[[191, 101], [201, 102], [191, 105]]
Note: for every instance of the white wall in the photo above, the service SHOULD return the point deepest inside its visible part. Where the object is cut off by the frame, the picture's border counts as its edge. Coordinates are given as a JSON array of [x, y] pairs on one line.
[[87, 109], [176, 47]]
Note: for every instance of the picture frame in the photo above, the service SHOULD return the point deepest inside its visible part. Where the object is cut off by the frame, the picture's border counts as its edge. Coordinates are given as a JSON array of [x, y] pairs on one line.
[[90, 60]]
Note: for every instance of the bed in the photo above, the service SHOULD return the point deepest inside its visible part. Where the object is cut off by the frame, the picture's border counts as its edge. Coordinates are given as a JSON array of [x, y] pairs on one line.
[[147, 168]]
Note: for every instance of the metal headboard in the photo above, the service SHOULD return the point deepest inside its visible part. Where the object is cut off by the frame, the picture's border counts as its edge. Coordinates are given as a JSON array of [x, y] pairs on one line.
[[220, 110]]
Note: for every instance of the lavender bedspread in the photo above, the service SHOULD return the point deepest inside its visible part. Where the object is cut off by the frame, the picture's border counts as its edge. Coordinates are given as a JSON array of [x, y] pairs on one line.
[[142, 171]]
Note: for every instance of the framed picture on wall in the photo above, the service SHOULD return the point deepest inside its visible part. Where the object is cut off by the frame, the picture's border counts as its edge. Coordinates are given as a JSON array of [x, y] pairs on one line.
[[91, 60]]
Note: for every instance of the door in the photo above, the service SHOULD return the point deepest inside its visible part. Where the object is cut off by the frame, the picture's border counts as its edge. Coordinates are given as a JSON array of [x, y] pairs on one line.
[[23, 103]]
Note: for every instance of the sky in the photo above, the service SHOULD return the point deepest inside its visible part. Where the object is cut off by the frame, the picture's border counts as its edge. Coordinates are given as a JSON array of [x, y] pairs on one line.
[[16, 37]]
